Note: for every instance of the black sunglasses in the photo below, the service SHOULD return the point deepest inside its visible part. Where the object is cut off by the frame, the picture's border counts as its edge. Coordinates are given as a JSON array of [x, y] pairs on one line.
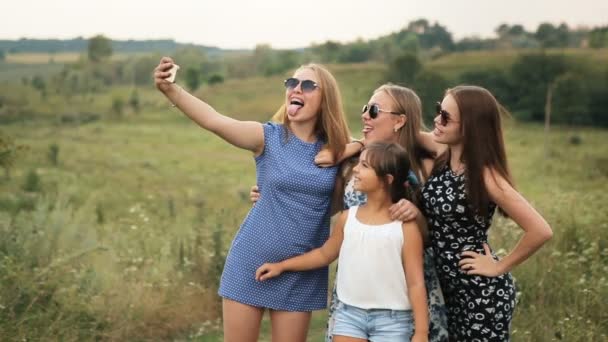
[[444, 115], [374, 110], [306, 85]]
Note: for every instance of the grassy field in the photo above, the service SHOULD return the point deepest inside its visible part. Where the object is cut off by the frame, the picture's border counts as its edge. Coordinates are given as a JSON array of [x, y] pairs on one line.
[[119, 234], [454, 64]]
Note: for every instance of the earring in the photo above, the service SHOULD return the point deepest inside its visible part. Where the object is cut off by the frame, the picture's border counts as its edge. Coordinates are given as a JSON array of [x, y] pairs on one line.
[[395, 129]]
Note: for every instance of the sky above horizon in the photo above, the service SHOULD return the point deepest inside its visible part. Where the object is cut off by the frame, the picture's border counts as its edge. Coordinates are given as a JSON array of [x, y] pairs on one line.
[[240, 24]]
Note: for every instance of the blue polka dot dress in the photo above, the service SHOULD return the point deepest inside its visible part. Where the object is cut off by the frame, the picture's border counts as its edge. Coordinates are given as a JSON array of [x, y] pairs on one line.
[[291, 218]]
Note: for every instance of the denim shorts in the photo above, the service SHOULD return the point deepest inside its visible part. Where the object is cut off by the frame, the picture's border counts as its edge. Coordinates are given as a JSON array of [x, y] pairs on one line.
[[375, 325]]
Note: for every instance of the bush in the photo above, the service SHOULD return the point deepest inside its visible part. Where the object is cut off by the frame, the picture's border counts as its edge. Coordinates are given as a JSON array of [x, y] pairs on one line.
[[215, 79], [53, 154], [9, 152], [32, 182], [118, 105]]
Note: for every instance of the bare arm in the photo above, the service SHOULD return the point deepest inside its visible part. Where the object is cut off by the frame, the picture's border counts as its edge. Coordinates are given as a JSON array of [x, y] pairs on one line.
[[326, 159], [426, 140], [248, 135], [536, 230], [316, 258], [413, 261]]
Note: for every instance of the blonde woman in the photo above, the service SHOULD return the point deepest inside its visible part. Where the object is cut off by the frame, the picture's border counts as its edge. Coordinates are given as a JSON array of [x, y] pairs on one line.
[[293, 216]]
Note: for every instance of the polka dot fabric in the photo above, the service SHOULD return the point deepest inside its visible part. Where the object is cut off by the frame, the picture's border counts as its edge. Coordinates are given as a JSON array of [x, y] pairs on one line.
[[291, 218]]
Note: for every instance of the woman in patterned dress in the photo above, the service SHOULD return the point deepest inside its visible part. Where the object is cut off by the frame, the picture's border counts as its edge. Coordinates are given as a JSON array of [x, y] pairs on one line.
[[293, 217], [469, 180]]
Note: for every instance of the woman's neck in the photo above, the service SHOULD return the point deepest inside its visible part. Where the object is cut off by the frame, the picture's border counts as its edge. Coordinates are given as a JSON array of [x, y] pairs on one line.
[[305, 131]]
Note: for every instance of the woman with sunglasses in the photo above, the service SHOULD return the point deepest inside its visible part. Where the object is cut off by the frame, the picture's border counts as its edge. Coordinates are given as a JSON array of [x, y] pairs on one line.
[[293, 216], [392, 115], [469, 180]]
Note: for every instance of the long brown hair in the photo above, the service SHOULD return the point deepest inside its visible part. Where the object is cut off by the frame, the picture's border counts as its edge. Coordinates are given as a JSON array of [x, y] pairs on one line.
[[482, 140], [407, 101], [331, 122]]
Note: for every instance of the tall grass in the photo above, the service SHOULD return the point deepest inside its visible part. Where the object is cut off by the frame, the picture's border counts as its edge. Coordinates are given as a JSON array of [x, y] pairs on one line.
[[126, 238]]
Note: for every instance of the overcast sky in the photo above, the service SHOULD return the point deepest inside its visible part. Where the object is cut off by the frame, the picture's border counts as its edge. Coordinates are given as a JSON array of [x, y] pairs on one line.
[[280, 23]]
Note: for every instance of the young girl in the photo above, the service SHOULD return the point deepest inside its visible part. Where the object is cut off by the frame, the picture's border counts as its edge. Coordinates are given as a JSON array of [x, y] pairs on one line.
[[293, 216], [469, 181], [380, 270]]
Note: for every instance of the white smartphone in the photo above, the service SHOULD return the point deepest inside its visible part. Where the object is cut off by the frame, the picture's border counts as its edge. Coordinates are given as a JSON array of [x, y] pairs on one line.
[[173, 72]]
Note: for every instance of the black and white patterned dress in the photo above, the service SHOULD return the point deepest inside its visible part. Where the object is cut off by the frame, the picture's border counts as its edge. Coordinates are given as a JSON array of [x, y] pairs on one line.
[[479, 308]]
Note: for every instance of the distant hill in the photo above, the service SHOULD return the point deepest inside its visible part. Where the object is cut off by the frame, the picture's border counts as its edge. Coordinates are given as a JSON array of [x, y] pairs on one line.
[[80, 44]]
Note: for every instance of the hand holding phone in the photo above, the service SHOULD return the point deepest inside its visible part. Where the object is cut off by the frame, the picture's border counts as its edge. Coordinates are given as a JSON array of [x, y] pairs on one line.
[[173, 72]]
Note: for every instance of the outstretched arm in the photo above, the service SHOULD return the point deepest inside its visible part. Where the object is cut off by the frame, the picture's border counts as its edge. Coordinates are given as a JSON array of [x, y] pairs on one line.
[[316, 258], [413, 261], [248, 135], [536, 230]]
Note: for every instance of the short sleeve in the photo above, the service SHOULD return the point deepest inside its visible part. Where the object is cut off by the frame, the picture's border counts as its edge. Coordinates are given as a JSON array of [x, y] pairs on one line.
[[271, 131]]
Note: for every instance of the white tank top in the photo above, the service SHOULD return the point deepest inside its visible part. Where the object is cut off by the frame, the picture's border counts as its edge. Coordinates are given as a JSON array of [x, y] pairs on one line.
[[370, 267]]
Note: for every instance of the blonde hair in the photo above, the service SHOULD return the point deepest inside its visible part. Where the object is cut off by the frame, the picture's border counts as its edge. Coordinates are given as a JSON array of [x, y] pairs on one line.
[[407, 101], [331, 122]]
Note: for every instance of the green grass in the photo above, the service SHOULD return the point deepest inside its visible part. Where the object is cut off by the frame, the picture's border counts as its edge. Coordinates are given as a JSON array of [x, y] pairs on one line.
[[163, 188]]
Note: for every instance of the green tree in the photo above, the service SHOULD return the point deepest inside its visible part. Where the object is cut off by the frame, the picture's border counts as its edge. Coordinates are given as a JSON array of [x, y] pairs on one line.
[[356, 52], [215, 79], [118, 105], [598, 37], [134, 101], [192, 77], [531, 76], [431, 36], [404, 69], [430, 86], [39, 84], [32, 182], [597, 84], [571, 100], [495, 80], [2, 55], [53, 154], [99, 48], [328, 52], [551, 36]]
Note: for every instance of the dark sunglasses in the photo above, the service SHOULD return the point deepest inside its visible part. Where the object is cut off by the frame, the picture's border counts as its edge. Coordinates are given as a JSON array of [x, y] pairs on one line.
[[444, 115], [306, 85], [374, 110]]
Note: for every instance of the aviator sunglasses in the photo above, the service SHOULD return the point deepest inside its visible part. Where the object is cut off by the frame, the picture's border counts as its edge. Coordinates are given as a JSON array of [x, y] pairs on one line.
[[444, 115], [374, 110], [306, 85]]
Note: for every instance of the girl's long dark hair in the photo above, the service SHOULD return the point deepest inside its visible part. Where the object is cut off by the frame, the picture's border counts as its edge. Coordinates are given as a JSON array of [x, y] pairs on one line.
[[391, 159]]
